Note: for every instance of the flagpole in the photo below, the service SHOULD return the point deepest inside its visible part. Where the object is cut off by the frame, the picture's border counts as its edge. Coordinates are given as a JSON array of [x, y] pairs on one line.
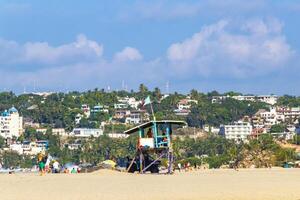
[[148, 101], [152, 111]]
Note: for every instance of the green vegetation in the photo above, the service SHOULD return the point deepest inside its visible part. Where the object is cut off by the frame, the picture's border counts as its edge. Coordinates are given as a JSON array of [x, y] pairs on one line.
[[58, 110], [278, 128], [217, 151], [11, 159], [288, 100]]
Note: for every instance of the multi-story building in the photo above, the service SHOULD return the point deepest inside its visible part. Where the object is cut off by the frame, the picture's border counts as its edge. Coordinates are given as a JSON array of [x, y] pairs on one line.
[[244, 97], [236, 131], [30, 148], [269, 99], [137, 117], [119, 114], [218, 99], [290, 114], [130, 101], [11, 123], [272, 117]]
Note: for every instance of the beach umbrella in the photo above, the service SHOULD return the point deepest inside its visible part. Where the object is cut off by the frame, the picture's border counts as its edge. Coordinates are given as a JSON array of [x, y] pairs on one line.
[[108, 164]]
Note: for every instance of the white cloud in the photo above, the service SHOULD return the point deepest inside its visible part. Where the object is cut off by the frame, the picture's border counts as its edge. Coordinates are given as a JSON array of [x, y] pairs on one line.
[[223, 49], [42, 53], [261, 27], [188, 49], [252, 48], [128, 54]]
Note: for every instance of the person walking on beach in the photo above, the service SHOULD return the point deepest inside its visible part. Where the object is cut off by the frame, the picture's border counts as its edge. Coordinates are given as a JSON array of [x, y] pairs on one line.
[[41, 164], [42, 167]]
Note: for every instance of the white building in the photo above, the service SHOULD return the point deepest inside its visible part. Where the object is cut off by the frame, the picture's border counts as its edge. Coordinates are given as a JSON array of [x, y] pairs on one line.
[[290, 114], [185, 104], [182, 112], [120, 105], [132, 102], [86, 110], [59, 131], [137, 117], [100, 108], [119, 114], [11, 124], [244, 97], [218, 99], [236, 131], [211, 129], [272, 117], [269, 99], [30, 148], [117, 135], [86, 132], [41, 130]]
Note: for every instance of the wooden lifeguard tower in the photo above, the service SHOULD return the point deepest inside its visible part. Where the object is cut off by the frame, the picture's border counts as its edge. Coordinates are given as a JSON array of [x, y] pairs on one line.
[[154, 137]]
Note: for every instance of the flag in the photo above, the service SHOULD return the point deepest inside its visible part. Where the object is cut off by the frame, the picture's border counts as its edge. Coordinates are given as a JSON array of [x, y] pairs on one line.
[[147, 101]]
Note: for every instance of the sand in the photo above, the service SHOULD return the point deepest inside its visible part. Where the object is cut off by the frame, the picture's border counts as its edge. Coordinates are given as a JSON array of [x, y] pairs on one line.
[[218, 184]]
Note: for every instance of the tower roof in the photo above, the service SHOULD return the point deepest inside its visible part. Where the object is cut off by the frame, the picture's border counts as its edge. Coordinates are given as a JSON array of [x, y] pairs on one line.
[[12, 110]]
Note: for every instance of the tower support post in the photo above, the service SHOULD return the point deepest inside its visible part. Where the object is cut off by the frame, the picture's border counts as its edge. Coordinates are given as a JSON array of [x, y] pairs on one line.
[[141, 161]]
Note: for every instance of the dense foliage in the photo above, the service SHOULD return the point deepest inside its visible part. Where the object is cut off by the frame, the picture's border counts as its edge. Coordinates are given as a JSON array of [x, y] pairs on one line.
[[59, 109]]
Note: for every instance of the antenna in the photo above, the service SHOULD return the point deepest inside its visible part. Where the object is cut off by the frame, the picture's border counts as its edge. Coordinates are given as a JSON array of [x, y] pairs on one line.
[[34, 86], [167, 87], [24, 89]]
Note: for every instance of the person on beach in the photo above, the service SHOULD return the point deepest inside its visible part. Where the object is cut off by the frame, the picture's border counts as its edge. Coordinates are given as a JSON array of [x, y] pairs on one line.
[[42, 167], [55, 166], [74, 171], [41, 164], [149, 133], [179, 166]]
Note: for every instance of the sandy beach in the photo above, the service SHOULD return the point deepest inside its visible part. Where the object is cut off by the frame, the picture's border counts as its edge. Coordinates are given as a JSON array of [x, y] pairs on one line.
[[218, 184]]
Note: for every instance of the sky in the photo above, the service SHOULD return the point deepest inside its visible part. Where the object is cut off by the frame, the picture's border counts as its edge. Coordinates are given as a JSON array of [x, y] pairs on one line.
[[232, 45]]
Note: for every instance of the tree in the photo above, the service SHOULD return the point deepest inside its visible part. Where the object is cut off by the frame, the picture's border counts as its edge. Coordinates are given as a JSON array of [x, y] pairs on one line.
[[157, 93], [2, 142], [30, 133], [277, 128], [143, 88], [10, 159]]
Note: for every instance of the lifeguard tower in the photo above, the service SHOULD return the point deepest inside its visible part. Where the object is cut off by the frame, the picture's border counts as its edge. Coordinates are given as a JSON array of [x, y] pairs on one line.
[[154, 137]]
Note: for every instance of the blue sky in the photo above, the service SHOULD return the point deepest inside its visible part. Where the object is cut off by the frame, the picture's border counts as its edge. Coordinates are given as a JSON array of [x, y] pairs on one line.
[[251, 47]]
